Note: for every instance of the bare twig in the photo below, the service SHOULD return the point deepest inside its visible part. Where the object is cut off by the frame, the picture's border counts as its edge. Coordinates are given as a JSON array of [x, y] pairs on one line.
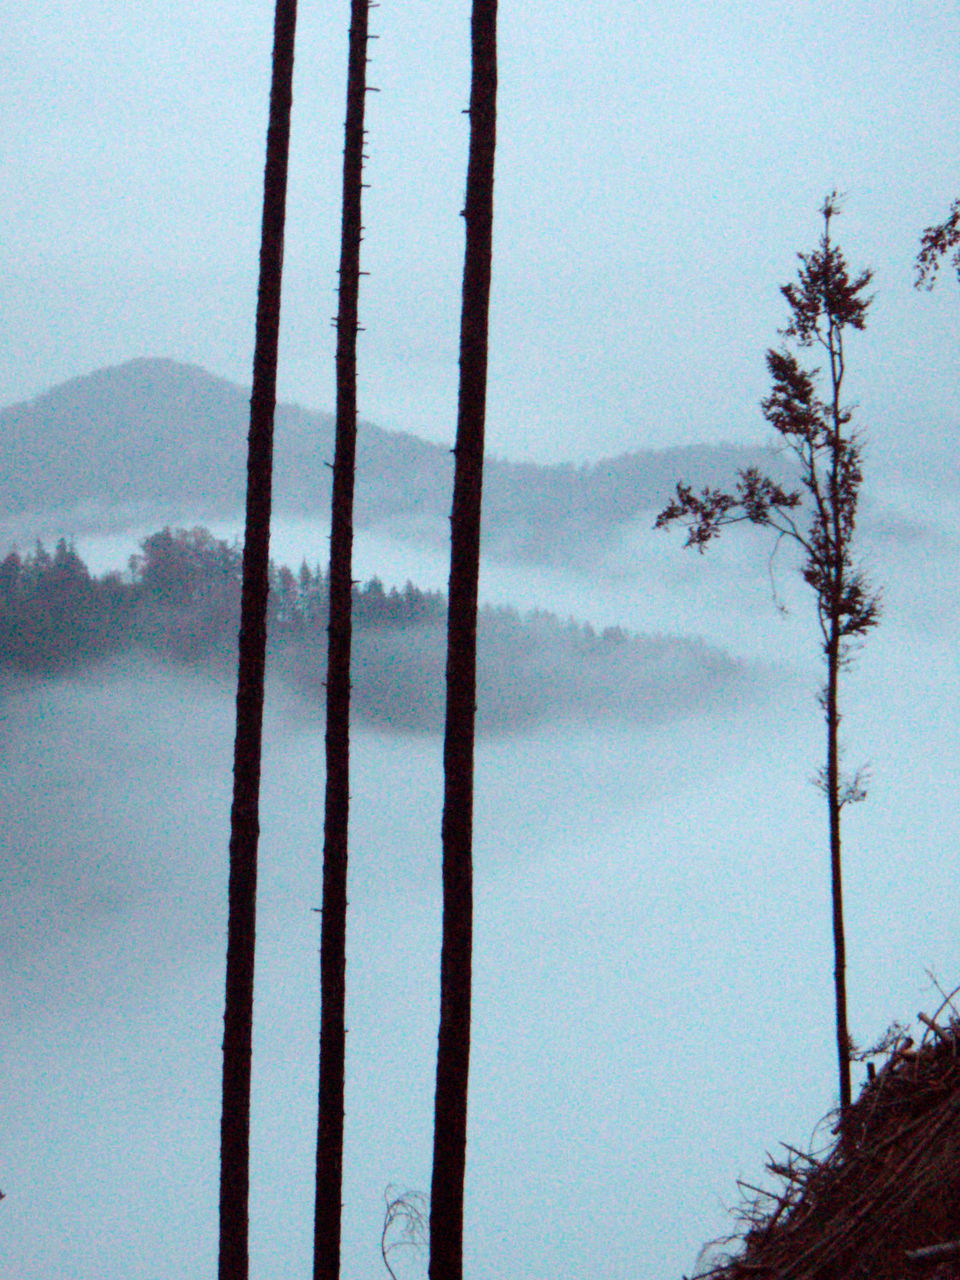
[[934, 1026], [406, 1214], [934, 1252]]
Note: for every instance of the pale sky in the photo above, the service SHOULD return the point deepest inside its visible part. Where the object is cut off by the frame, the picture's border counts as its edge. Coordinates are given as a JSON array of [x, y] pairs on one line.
[[658, 168]]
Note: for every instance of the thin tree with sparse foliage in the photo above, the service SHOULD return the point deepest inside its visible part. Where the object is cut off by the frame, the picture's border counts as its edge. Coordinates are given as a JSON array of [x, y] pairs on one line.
[[820, 518], [245, 810]]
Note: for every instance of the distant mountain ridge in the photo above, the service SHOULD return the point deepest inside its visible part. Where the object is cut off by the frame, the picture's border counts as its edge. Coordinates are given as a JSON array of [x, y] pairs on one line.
[[154, 432]]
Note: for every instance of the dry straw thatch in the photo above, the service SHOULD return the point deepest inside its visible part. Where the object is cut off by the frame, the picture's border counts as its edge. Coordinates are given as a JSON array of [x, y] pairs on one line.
[[883, 1201]]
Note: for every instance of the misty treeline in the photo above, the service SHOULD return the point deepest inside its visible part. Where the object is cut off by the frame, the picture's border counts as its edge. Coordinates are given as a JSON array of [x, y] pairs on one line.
[[179, 602], [180, 598]]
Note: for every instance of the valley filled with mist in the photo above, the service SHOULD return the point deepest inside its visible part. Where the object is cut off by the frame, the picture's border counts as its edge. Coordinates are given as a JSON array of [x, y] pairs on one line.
[[653, 1001]]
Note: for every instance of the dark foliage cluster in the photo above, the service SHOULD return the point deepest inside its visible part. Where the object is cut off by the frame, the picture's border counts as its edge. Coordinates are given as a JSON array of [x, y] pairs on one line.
[[935, 243], [824, 301], [54, 615], [180, 598]]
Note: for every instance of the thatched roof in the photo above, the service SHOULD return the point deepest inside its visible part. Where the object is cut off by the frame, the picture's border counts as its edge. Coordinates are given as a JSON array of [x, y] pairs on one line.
[[883, 1201]]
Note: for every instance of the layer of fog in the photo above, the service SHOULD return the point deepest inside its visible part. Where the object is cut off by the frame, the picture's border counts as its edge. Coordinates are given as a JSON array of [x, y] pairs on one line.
[[653, 989], [745, 596]]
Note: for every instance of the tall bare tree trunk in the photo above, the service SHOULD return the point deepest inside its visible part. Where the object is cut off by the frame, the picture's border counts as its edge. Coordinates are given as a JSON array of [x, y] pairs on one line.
[[453, 1054], [245, 811], [838, 583], [333, 936]]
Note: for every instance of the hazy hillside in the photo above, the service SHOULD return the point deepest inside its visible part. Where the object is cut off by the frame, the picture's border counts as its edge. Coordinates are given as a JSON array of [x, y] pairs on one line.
[[171, 438]]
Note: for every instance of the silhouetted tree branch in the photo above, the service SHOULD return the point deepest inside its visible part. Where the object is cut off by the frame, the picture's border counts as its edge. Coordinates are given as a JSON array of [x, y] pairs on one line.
[[935, 243], [405, 1224]]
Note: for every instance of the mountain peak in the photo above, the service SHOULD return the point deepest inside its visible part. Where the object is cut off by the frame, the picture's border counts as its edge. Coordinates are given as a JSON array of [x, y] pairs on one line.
[[155, 432]]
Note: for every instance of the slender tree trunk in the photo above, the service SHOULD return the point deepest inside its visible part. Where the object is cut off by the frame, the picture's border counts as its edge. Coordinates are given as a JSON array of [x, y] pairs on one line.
[[832, 711], [834, 802], [245, 812], [453, 1054], [333, 936]]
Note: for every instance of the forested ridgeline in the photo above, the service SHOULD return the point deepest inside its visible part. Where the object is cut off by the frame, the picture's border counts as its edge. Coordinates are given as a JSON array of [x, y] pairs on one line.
[[180, 596], [179, 601]]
